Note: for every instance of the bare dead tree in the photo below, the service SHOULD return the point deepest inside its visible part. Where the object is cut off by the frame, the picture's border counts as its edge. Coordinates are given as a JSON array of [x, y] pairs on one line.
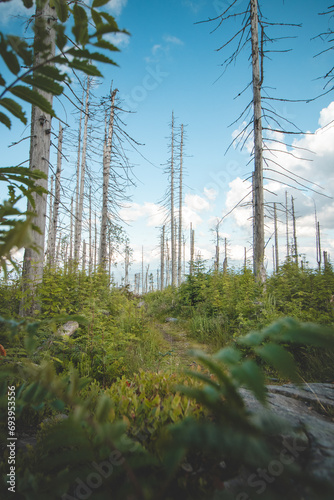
[[106, 178], [32, 273], [261, 118], [179, 269]]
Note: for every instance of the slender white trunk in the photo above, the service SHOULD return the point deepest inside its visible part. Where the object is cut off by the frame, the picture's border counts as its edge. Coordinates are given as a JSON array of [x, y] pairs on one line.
[[57, 197], [258, 244], [179, 269], [276, 239], [78, 225], [78, 171], [287, 225], [192, 248], [71, 231], [50, 220], [39, 160], [83, 256], [106, 176], [294, 230], [162, 258], [172, 228], [90, 233], [225, 258]]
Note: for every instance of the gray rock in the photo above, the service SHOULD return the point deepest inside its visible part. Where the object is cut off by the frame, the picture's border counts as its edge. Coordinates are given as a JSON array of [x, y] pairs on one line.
[[304, 408], [68, 329]]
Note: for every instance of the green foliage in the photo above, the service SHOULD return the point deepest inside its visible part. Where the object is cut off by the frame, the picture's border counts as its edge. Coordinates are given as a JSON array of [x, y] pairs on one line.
[[148, 403], [169, 442]]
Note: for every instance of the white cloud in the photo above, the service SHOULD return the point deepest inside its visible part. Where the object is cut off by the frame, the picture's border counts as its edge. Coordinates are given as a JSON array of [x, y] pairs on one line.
[[238, 190], [14, 8], [121, 40], [160, 50], [116, 6], [173, 39], [151, 211], [196, 202], [211, 193]]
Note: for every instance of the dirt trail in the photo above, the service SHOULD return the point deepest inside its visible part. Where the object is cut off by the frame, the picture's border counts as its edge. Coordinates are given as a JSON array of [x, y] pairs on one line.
[[180, 343]]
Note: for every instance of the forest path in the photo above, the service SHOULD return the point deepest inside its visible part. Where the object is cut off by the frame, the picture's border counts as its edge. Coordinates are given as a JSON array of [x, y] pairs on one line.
[[180, 343]]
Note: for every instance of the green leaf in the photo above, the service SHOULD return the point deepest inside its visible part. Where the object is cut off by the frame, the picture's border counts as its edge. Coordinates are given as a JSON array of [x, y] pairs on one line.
[[279, 358], [80, 28], [95, 56], [21, 48], [61, 38], [97, 19], [251, 339], [228, 355], [32, 97], [27, 3], [61, 9], [112, 25], [251, 376], [99, 3], [51, 72], [44, 83], [14, 108], [84, 66], [2, 81], [9, 57], [5, 120], [104, 44]]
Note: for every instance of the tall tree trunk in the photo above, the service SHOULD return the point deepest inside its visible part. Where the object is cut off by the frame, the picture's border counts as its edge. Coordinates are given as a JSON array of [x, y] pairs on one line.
[[32, 273], [294, 231], [71, 230], [126, 277], [172, 228], [192, 249], [258, 244], [287, 225], [179, 269], [78, 222], [216, 266], [142, 270], [57, 197], [225, 258], [90, 252], [162, 258], [276, 240], [50, 231], [78, 172], [318, 246], [106, 176]]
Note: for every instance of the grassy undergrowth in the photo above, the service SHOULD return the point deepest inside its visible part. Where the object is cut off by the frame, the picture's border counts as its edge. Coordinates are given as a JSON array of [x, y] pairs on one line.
[[123, 418]]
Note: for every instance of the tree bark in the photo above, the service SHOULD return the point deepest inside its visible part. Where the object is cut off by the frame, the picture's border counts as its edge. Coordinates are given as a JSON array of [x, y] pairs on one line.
[[162, 259], [276, 239], [172, 229], [56, 198], [294, 231], [32, 273], [103, 258], [78, 222], [179, 269], [258, 244]]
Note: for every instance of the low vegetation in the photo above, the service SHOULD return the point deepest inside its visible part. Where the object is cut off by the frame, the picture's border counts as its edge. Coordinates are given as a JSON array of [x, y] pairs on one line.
[[109, 409]]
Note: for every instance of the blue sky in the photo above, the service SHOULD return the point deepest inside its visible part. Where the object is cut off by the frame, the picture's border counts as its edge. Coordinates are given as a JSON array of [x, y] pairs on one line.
[[169, 63]]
